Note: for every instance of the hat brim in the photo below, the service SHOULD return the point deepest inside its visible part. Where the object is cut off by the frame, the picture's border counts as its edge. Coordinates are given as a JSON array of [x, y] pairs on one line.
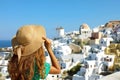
[[33, 46]]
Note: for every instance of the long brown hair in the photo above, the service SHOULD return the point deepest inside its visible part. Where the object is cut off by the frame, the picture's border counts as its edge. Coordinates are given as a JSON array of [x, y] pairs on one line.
[[24, 69]]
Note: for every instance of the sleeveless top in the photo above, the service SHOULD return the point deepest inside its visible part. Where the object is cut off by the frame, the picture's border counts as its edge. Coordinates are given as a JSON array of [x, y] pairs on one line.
[[36, 72]]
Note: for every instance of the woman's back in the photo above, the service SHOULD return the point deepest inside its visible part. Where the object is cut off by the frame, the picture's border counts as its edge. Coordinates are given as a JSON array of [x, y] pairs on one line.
[[28, 60]]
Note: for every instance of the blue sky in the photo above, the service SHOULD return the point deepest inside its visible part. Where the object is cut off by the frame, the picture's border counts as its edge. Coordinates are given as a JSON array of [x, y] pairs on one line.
[[69, 14]]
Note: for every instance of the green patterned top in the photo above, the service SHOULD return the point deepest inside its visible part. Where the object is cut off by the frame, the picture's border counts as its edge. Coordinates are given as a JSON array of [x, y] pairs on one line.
[[36, 72]]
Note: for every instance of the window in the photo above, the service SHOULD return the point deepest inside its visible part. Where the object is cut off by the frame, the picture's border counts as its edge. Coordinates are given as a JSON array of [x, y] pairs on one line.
[[110, 59], [91, 66], [86, 66], [52, 76], [102, 42], [94, 65]]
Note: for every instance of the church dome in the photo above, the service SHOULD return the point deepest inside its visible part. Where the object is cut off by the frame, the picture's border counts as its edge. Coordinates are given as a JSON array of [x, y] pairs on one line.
[[84, 26]]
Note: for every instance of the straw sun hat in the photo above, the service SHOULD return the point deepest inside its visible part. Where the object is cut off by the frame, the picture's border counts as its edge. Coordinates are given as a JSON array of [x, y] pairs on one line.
[[29, 37]]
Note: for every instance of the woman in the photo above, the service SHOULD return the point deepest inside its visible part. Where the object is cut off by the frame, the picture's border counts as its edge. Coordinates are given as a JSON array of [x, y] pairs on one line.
[[28, 60]]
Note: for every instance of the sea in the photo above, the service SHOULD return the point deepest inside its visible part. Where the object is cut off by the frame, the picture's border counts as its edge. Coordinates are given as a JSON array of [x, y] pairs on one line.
[[5, 43]]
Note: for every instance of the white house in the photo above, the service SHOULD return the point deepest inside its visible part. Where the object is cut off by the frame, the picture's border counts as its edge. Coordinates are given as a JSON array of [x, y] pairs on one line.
[[107, 32], [106, 63], [94, 64], [105, 41], [86, 71], [86, 50], [117, 32], [95, 30], [53, 77], [3, 56], [62, 50], [4, 71], [65, 63], [3, 62]]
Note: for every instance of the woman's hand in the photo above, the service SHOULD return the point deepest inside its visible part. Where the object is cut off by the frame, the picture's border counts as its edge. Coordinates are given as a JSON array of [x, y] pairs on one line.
[[47, 43], [55, 67]]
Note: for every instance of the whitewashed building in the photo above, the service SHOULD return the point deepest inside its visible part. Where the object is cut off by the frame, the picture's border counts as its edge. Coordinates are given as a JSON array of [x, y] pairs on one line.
[[116, 34], [105, 41], [53, 77], [94, 64], [86, 50], [62, 50], [86, 72]]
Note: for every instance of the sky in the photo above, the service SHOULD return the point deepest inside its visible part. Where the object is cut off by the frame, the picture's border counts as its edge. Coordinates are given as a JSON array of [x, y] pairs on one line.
[[69, 14]]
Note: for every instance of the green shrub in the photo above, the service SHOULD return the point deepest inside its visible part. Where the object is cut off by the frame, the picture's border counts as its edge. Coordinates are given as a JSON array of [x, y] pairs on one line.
[[74, 70], [0, 74]]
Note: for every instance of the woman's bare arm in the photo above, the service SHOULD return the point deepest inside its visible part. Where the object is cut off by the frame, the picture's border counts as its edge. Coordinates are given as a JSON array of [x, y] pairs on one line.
[[55, 67]]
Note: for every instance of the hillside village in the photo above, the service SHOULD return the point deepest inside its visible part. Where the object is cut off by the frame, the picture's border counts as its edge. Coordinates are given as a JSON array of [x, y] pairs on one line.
[[85, 54]]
